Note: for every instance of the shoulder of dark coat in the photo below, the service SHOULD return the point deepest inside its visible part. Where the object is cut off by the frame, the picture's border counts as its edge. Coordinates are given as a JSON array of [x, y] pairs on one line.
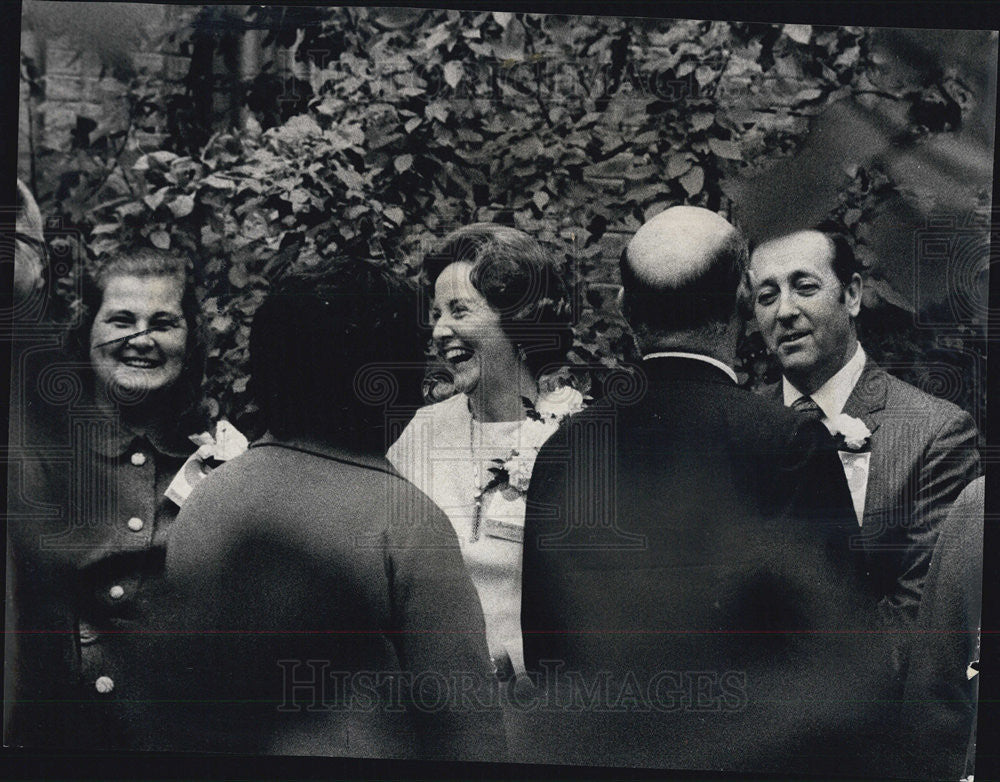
[[758, 421]]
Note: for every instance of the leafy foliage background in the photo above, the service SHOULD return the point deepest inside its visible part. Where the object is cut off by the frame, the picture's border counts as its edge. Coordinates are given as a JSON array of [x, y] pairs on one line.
[[394, 126]]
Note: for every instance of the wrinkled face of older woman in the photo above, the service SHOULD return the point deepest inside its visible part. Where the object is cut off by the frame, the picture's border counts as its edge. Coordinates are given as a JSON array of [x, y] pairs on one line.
[[467, 332], [139, 337]]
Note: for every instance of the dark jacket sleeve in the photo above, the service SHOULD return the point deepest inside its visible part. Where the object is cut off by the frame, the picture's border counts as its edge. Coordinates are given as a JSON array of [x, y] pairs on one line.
[[810, 488], [940, 696], [440, 638], [545, 519]]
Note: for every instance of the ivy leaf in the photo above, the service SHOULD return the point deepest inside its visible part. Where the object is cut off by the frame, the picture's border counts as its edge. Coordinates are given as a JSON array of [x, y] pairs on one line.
[[438, 110], [693, 180], [349, 177], [511, 45], [160, 239], [502, 18], [640, 173], [800, 33], [702, 120], [703, 75], [153, 200], [238, 276], [218, 182], [412, 124], [725, 149], [642, 195], [541, 198], [437, 37], [848, 57], [808, 94], [403, 163], [395, 214], [646, 138], [160, 159], [677, 165], [182, 206], [453, 72]]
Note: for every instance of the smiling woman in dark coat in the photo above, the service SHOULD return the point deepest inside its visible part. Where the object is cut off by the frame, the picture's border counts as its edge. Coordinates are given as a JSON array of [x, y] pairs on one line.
[[324, 606]]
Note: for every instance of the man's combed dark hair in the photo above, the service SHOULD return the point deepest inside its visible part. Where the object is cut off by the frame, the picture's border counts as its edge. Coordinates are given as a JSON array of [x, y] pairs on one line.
[[520, 281], [845, 263], [313, 335], [703, 301]]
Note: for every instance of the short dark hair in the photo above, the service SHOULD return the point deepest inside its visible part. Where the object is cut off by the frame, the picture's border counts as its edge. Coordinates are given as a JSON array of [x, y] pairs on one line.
[[145, 262], [709, 299], [519, 280], [844, 262], [314, 334]]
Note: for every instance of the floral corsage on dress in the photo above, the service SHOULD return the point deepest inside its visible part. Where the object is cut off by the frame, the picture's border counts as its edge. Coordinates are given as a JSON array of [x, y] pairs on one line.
[[500, 503]]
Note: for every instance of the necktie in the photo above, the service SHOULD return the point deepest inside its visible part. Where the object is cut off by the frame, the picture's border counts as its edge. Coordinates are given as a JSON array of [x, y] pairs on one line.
[[807, 407]]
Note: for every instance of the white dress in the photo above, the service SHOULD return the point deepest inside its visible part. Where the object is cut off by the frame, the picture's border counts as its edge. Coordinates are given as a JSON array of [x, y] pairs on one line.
[[448, 455]]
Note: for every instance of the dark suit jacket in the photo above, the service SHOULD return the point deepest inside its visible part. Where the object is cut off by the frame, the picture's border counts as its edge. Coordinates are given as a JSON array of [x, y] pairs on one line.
[[940, 698], [924, 452], [687, 552], [321, 607]]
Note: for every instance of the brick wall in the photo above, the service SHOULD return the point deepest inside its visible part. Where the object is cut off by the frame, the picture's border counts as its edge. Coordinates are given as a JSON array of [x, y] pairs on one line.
[[75, 83]]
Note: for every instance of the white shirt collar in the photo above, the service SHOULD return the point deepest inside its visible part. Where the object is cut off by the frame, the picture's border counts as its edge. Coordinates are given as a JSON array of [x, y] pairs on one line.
[[834, 393], [698, 357]]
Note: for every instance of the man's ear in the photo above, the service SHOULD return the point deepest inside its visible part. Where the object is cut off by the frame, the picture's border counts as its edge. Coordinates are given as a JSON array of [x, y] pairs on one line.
[[852, 295], [744, 297]]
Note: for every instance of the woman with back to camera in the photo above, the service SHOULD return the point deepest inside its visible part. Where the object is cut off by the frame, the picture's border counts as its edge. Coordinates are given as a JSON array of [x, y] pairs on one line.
[[501, 320], [88, 524], [309, 559]]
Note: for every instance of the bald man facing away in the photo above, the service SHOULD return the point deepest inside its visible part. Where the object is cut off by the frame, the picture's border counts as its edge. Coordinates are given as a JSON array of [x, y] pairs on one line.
[[690, 599]]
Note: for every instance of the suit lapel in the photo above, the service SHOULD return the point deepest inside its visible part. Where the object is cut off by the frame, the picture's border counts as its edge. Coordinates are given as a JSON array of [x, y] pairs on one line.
[[867, 400]]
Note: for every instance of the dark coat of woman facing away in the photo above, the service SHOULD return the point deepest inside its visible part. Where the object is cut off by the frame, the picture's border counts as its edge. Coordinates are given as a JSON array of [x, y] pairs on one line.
[[322, 605]]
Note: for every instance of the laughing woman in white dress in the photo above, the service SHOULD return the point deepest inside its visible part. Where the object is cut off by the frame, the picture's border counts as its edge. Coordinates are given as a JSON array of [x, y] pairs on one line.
[[501, 321]]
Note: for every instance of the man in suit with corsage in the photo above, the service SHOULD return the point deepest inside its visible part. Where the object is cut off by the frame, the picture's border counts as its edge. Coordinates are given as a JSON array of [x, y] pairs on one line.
[[907, 454], [689, 597]]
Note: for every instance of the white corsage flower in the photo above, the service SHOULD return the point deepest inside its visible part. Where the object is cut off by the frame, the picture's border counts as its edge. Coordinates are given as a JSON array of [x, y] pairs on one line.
[[513, 474], [851, 433], [559, 403], [227, 443], [519, 469]]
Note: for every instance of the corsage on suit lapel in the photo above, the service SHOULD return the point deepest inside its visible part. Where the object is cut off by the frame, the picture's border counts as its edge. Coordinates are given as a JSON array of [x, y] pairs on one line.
[[923, 454]]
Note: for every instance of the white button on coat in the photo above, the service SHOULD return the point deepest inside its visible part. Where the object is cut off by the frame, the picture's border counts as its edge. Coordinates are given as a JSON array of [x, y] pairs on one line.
[[104, 684], [116, 592], [138, 458], [135, 524]]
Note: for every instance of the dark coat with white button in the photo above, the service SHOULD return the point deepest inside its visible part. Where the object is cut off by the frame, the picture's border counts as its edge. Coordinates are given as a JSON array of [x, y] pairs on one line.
[[87, 525]]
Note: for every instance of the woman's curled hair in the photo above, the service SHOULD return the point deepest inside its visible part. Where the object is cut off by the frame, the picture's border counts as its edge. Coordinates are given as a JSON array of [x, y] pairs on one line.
[[517, 278]]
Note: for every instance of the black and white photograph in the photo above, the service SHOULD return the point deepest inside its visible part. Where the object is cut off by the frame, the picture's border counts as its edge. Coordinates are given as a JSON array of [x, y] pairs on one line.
[[528, 390]]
